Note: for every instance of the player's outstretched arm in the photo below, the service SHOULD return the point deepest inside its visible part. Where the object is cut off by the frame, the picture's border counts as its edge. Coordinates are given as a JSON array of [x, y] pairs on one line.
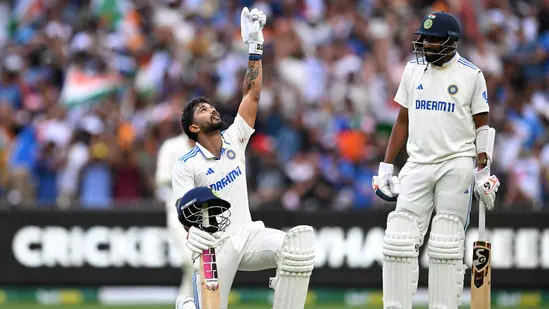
[[251, 88], [399, 133], [251, 26]]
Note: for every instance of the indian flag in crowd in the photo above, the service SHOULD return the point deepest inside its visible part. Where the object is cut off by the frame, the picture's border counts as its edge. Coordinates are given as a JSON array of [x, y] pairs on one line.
[[83, 88], [27, 10], [151, 72]]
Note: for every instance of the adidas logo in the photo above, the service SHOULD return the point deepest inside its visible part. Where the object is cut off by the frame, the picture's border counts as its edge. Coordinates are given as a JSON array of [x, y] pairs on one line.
[[466, 191], [420, 87], [210, 171]]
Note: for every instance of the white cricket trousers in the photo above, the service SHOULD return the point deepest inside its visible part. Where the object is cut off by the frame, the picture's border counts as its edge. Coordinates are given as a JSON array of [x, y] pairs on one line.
[[254, 248], [445, 187]]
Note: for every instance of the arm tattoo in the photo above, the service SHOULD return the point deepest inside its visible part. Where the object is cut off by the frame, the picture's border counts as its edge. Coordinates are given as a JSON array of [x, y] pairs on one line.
[[251, 74]]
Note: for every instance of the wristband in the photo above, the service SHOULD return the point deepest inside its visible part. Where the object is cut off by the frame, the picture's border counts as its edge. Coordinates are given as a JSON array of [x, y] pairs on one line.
[[255, 57], [255, 48]]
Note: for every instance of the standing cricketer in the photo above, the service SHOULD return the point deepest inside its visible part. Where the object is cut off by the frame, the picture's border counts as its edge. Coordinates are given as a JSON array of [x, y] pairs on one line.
[[171, 150], [218, 162], [444, 114]]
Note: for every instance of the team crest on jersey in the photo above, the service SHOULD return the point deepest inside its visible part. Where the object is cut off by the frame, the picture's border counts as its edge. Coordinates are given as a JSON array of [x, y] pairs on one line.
[[230, 154], [428, 23], [452, 89]]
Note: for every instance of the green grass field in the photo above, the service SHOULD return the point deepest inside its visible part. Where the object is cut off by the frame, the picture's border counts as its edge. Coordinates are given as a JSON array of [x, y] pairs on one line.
[[263, 306], [32, 306]]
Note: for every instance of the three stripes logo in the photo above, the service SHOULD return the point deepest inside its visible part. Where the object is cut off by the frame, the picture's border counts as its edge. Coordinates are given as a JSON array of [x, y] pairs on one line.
[[420, 87], [210, 171]]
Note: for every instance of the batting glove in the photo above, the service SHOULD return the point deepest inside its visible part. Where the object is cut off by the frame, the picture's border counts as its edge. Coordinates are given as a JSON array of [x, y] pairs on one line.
[[486, 187], [251, 29], [385, 185], [199, 240]]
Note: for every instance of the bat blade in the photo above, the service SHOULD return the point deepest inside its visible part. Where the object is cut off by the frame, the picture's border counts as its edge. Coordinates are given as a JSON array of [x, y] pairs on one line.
[[209, 280], [481, 275]]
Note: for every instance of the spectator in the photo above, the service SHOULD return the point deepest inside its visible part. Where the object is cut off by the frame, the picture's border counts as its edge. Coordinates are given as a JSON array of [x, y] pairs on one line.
[[129, 182], [99, 85], [46, 169], [96, 178]]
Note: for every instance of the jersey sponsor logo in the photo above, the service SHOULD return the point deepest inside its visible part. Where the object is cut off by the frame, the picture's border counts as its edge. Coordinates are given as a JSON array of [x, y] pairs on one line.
[[436, 106], [227, 180]]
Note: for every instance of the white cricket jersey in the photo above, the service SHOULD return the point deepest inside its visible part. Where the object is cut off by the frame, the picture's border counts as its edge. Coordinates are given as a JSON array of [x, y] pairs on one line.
[[171, 150], [441, 102], [226, 175]]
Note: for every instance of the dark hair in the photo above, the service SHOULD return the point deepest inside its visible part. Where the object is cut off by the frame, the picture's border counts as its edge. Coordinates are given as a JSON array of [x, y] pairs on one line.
[[187, 116]]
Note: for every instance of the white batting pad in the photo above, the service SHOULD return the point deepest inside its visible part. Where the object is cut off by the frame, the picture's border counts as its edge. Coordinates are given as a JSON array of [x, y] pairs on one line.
[[400, 262], [295, 265], [446, 268]]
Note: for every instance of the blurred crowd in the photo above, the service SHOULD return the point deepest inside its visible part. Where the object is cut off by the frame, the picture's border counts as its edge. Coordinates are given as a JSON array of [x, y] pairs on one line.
[[90, 90]]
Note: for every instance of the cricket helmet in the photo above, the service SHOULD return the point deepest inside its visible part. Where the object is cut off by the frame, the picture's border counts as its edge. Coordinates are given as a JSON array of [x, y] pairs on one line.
[[201, 202], [439, 34]]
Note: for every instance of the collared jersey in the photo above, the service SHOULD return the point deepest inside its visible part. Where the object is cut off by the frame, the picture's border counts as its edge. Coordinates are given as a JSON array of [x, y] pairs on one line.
[[171, 150], [441, 102], [226, 174]]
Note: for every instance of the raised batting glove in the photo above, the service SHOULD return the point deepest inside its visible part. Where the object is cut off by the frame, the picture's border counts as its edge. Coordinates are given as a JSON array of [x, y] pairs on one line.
[[385, 185], [199, 240], [251, 29], [486, 187]]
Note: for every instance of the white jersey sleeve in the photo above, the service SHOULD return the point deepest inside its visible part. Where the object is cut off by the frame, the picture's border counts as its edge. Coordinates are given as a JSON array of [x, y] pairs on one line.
[[239, 132], [182, 178], [402, 95], [479, 99]]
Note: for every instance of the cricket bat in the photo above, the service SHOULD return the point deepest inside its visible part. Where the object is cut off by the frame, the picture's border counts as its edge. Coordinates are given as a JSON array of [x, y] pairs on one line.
[[481, 274], [208, 273]]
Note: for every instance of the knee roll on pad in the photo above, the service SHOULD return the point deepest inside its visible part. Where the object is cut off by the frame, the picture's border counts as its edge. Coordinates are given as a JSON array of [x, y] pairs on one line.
[[446, 238], [446, 268], [402, 236], [400, 263], [296, 262]]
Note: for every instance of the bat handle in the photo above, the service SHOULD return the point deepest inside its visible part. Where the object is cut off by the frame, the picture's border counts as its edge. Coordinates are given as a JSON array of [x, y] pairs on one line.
[[481, 221]]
